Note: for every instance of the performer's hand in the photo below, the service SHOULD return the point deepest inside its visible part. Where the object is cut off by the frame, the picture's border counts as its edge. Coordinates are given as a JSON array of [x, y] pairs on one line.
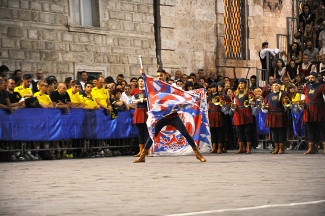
[[141, 71]]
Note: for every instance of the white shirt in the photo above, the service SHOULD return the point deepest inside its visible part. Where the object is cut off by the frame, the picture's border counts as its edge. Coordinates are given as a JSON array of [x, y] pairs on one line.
[[82, 85], [127, 99]]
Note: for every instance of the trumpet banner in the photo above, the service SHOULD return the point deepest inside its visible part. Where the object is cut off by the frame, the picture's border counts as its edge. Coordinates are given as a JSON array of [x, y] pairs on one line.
[[192, 108]]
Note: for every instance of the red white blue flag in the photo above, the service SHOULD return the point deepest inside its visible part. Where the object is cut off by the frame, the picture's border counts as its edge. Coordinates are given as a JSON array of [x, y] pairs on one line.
[[191, 106]]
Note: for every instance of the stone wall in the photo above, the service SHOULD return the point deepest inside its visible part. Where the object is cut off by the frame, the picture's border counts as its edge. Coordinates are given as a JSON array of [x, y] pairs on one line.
[[188, 34], [42, 34]]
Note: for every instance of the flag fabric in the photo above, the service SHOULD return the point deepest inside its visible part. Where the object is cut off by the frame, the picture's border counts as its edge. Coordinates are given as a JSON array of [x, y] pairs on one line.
[[163, 100]]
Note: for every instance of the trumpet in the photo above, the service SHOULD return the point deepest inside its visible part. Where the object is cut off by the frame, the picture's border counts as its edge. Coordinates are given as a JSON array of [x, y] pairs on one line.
[[229, 104], [216, 100], [246, 103], [251, 97], [287, 102]]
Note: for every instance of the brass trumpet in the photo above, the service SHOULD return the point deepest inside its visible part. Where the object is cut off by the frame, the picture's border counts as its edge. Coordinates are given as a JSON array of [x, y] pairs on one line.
[[251, 97], [246, 103], [287, 102], [216, 100]]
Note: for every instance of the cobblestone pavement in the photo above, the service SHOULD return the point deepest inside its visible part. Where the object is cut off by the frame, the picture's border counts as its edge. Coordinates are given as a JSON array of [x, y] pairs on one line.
[[165, 185]]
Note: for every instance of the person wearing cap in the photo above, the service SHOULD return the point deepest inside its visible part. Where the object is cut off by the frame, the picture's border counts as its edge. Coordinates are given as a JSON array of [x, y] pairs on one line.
[[314, 113], [216, 118], [276, 118], [243, 117]]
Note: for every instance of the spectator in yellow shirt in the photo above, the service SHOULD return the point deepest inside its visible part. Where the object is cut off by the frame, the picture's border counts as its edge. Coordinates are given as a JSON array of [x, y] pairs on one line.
[[24, 89], [43, 99], [88, 100], [75, 97], [101, 95]]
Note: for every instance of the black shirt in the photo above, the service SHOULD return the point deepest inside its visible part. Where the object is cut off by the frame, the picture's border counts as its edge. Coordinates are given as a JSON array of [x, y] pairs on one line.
[[56, 97], [3, 96], [14, 97]]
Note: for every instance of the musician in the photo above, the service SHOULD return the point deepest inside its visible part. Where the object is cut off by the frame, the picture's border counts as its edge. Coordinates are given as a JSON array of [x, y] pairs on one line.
[[243, 117], [173, 120], [314, 113], [140, 115], [215, 117], [276, 118]]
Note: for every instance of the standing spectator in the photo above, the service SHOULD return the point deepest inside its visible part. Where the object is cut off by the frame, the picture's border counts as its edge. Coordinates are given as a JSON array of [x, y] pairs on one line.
[[306, 67], [60, 97], [101, 95], [178, 75], [134, 80], [189, 86], [291, 70], [212, 77], [39, 76], [88, 101], [119, 78], [306, 17], [4, 71], [18, 74], [53, 83], [179, 84], [119, 104], [133, 86], [4, 97], [201, 75], [74, 95], [280, 69], [266, 57], [14, 97], [311, 52], [84, 78], [127, 97], [309, 35], [24, 89], [68, 81], [295, 53], [184, 78]]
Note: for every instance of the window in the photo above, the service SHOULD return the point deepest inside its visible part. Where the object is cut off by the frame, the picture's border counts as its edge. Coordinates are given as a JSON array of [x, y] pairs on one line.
[[86, 12], [234, 19]]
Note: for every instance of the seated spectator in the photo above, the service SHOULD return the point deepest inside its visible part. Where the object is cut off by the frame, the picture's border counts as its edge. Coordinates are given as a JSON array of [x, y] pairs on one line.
[[75, 97], [61, 98], [306, 17], [291, 71], [320, 67], [4, 71], [320, 78], [285, 85], [300, 82], [279, 70], [16, 100], [127, 97], [24, 89], [321, 41], [68, 81], [295, 53], [308, 35], [101, 95], [252, 81], [311, 52], [267, 88], [306, 67], [39, 77], [177, 76], [88, 101], [4, 97]]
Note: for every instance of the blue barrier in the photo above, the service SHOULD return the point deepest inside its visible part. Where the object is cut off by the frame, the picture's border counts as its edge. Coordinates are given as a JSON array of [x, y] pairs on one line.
[[52, 124]]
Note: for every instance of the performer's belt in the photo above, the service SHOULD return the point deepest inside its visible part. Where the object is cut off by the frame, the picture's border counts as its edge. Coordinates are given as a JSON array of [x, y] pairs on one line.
[[275, 111], [141, 105], [214, 111], [319, 104], [242, 107]]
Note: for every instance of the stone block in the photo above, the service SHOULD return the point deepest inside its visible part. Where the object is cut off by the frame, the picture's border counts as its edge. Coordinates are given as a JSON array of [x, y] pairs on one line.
[[118, 50], [24, 15], [62, 67], [146, 28], [34, 16], [32, 34], [133, 59], [136, 43], [49, 45], [142, 8], [25, 44], [124, 42], [49, 56], [17, 54], [5, 13], [123, 59], [26, 66], [116, 15], [62, 46], [61, 19], [8, 43], [34, 5], [4, 54], [128, 16], [46, 18], [15, 32], [114, 24], [136, 17], [128, 26], [38, 45], [67, 37], [77, 47], [24, 4], [45, 7], [13, 4], [125, 6], [99, 57], [56, 8], [33, 55], [46, 66], [113, 59], [83, 38], [134, 70]]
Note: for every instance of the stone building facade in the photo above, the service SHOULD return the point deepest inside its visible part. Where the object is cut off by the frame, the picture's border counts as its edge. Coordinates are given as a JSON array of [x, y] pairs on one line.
[[188, 35]]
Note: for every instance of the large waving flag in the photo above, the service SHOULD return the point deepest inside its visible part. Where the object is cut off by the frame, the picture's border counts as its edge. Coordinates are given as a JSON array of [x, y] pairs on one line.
[[164, 99]]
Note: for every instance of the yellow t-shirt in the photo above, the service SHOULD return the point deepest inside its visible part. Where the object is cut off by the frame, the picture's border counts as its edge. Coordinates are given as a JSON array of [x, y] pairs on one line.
[[23, 91], [75, 98], [101, 94], [43, 98], [89, 101]]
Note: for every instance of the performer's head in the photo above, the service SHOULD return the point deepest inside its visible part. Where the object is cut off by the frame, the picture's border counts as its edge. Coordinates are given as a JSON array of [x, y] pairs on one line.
[[242, 84], [276, 85], [161, 75], [140, 82], [312, 78], [214, 87]]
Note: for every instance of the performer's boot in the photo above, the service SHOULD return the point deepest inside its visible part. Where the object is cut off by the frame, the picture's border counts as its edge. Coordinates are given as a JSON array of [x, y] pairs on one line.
[[198, 155], [224, 149], [310, 149], [241, 148], [249, 147], [219, 148], [140, 147], [316, 148], [149, 153], [214, 148], [276, 150], [281, 148], [324, 147], [142, 157]]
